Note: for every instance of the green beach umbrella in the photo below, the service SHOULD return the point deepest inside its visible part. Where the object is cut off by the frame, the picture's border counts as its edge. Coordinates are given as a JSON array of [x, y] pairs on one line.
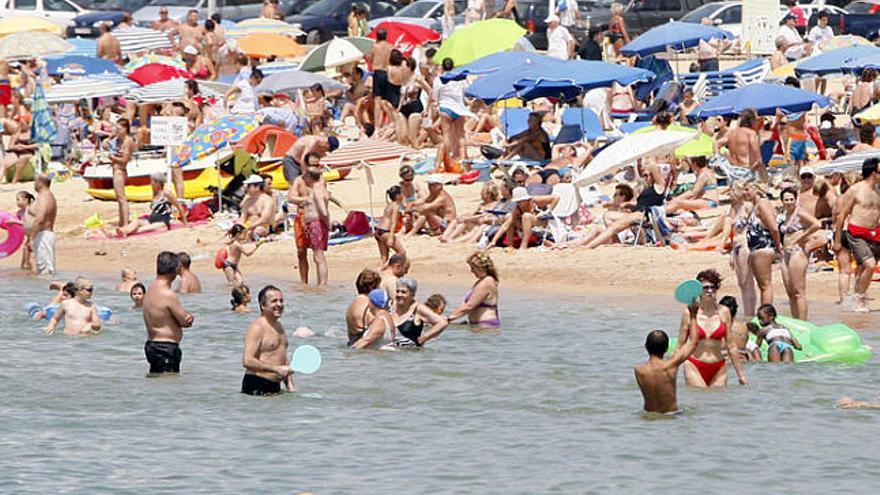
[[703, 145], [479, 39], [336, 52]]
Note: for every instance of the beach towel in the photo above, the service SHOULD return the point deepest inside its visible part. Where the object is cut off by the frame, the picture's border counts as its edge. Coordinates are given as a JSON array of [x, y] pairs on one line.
[[174, 226]]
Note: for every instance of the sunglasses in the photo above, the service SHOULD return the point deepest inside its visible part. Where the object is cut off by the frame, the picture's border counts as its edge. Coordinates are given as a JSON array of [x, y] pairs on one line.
[[87, 289], [808, 176], [710, 288]]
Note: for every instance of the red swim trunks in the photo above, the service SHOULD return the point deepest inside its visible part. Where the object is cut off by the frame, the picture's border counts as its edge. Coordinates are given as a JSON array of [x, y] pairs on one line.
[[865, 233], [317, 234], [5, 92]]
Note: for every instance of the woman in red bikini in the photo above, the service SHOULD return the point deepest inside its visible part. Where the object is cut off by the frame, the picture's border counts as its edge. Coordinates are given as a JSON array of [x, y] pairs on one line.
[[706, 367]]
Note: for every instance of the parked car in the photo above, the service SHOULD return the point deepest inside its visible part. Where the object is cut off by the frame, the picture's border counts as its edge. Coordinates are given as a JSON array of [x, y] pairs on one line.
[[426, 13], [233, 10], [530, 14], [811, 12], [59, 12], [642, 15], [725, 15], [328, 18], [861, 19], [111, 11]]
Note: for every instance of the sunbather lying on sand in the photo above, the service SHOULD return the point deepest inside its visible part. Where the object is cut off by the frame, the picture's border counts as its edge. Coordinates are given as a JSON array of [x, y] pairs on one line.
[[160, 212]]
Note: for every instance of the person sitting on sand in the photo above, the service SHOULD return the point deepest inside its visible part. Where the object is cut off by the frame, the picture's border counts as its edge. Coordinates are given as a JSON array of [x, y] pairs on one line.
[[80, 315], [257, 209], [436, 303], [241, 297], [137, 295], [358, 316], [530, 144], [521, 220], [160, 212], [780, 341], [480, 304], [129, 279], [386, 232], [189, 282], [234, 250], [703, 195], [411, 192], [657, 377], [463, 225], [381, 329], [435, 211], [410, 317]]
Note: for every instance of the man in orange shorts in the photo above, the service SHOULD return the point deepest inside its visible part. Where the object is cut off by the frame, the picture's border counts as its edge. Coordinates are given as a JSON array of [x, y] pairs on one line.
[[312, 224]]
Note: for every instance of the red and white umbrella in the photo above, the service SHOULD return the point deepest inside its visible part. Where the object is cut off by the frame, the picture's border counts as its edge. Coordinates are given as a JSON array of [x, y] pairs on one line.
[[405, 37]]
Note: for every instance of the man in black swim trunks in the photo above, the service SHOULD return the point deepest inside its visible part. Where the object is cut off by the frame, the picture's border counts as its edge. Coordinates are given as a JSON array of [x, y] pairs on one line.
[[164, 317], [378, 58], [265, 348]]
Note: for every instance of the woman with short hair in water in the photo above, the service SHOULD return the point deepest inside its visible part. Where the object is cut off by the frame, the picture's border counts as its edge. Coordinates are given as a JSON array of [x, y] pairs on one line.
[[796, 225], [410, 317], [381, 329], [357, 316], [481, 302], [706, 367]]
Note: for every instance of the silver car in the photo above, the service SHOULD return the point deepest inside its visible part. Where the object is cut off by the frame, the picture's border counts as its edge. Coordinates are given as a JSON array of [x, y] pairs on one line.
[[233, 10], [425, 13]]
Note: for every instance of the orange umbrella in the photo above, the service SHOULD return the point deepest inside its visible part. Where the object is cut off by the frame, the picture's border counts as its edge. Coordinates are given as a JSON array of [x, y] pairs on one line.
[[264, 45]]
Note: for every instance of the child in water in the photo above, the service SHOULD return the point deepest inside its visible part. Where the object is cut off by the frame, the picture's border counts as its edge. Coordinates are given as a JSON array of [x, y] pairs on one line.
[[436, 303], [234, 250], [241, 297], [23, 201], [137, 295], [80, 313], [752, 352], [386, 232], [781, 343]]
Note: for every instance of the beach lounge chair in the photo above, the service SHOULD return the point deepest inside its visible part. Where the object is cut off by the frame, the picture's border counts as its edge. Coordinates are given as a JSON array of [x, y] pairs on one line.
[[584, 122], [707, 85]]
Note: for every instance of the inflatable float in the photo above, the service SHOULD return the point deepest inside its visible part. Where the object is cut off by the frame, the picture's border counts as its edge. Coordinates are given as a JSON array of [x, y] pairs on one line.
[[34, 310], [14, 234], [831, 343]]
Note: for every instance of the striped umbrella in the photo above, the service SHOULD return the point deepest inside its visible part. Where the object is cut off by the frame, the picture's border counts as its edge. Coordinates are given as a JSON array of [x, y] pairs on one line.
[[261, 45], [160, 92], [276, 67], [369, 150], [210, 137], [846, 164], [89, 87], [138, 39], [43, 124], [32, 44], [336, 52], [83, 47], [152, 58], [262, 25]]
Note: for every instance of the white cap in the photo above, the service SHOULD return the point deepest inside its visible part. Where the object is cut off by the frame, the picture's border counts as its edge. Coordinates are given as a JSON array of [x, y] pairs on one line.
[[435, 179], [551, 18], [190, 50], [807, 171], [253, 179], [520, 194]]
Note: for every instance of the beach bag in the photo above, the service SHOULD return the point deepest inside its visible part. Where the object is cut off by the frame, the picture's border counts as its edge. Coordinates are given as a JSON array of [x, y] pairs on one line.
[[199, 212], [356, 223]]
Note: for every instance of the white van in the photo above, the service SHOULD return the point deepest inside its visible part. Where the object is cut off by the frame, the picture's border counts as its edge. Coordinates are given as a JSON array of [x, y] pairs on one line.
[[59, 12]]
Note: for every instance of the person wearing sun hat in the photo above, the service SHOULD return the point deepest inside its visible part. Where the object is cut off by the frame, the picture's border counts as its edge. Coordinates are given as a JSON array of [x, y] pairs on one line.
[[519, 222], [560, 43], [435, 210], [257, 209]]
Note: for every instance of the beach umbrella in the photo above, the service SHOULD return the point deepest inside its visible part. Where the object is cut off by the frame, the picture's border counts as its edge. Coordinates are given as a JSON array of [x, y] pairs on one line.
[[89, 87], [262, 45], [870, 115], [859, 64], [498, 85], [578, 76], [134, 39], [153, 58], [42, 123], [783, 71], [472, 41], [841, 41], [336, 52], [84, 47], [493, 62], [702, 145], [215, 135], [405, 37], [23, 24], [672, 35], [834, 61], [172, 89], [32, 44], [764, 98], [846, 164], [79, 66], [276, 67], [262, 25], [367, 150], [292, 80], [629, 149], [153, 73]]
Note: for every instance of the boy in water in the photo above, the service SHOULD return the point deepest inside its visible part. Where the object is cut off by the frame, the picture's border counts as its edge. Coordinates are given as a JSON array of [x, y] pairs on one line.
[[657, 377], [80, 315], [436, 303], [189, 282]]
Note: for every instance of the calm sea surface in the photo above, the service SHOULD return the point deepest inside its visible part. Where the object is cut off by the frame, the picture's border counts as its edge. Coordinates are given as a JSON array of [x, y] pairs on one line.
[[547, 405]]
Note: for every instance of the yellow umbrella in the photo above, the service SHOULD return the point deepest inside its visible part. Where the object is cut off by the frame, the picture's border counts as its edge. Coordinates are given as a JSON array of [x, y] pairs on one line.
[[21, 24], [783, 71], [870, 115], [262, 45]]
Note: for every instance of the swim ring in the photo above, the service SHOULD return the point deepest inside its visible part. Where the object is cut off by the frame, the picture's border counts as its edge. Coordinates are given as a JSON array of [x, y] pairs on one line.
[[830, 343], [14, 234], [104, 313]]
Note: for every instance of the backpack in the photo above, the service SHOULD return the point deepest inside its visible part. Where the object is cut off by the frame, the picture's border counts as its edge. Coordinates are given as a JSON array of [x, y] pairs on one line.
[[356, 223]]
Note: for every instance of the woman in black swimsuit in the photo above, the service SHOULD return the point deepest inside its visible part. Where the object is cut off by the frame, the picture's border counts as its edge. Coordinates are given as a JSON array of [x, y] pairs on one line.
[[160, 211], [410, 317]]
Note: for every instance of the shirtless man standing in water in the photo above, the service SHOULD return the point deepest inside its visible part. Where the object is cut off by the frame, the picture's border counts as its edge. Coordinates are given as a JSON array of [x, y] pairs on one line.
[[265, 348], [860, 209], [657, 377], [164, 317], [743, 147], [80, 315]]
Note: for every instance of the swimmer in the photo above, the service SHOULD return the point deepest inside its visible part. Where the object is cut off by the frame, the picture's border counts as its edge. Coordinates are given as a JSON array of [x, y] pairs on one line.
[[358, 316], [410, 317], [849, 403], [137, 295], [780, 341], [80, 315], [241, 297], [189, 282], [164, 317], [129, 279], [657, 377], [265, 348], [437, 303], [377, 333]]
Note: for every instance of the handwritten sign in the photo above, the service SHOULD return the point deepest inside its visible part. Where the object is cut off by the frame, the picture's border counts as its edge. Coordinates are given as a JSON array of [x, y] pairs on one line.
[[760, 25], [168, 131]]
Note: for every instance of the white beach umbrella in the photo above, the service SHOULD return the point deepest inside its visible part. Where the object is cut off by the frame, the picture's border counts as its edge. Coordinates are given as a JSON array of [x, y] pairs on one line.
[[89, 87], [138, 39], [170, 90], [847, 163], [629, 149]]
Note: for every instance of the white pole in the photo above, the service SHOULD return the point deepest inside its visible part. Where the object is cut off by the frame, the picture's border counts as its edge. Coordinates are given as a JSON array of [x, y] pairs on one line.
[[212, 7]]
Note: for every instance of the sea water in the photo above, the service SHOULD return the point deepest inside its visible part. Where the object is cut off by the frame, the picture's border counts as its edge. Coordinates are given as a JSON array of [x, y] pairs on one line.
[[546, 405]]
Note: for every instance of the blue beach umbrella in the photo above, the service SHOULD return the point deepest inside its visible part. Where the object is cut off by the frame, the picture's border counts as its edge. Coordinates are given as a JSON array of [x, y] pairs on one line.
[[764, 98], [675, 35], [80, 66], [572, 77], [85, 47], [498, 85], [837, 60], [494, 62], [42, 124], [859, 64]]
